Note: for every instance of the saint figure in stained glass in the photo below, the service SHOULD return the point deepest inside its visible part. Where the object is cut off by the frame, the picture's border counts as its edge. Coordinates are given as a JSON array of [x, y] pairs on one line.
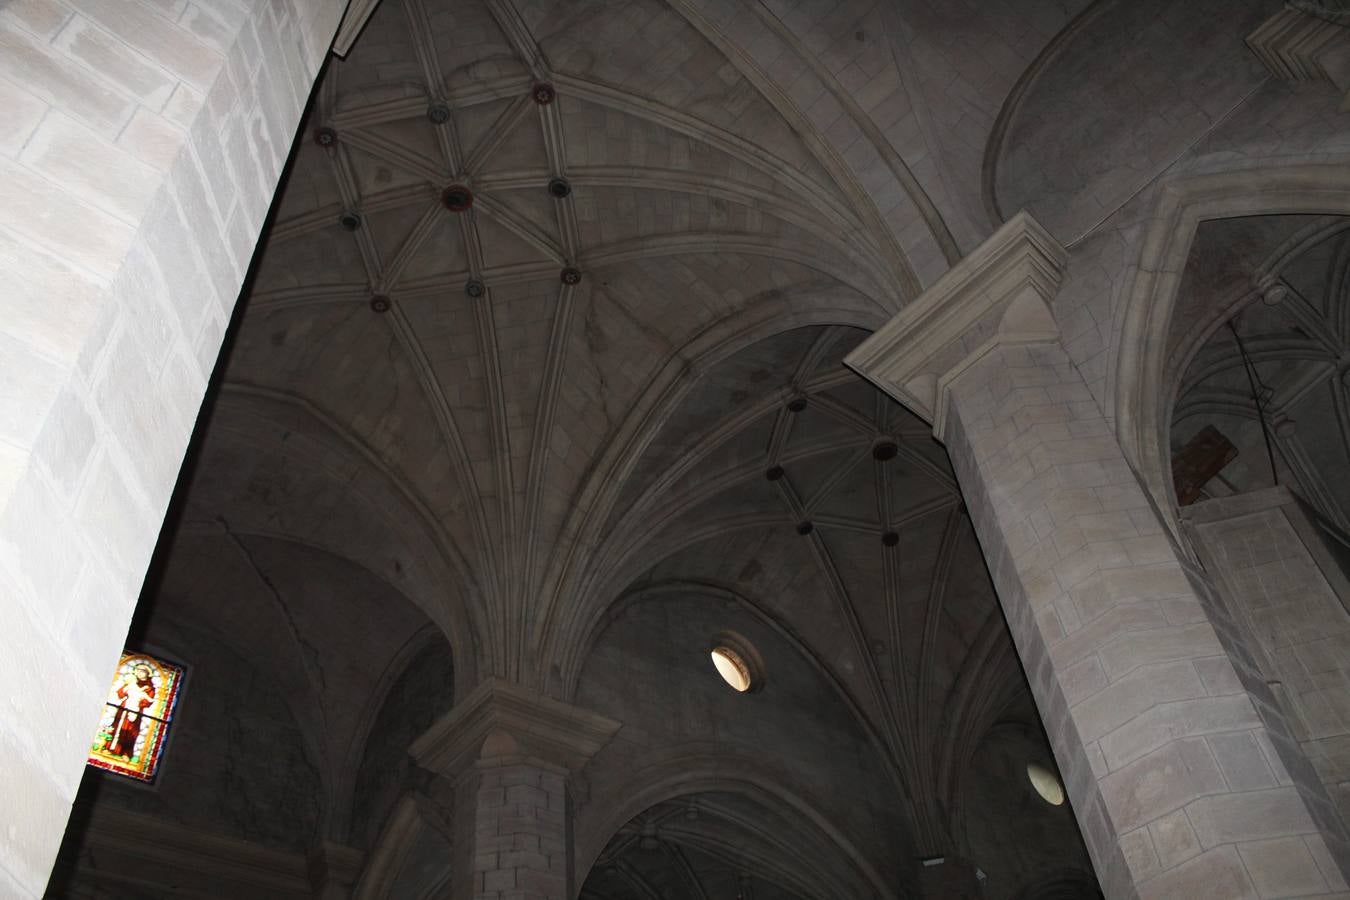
[[136, 716]]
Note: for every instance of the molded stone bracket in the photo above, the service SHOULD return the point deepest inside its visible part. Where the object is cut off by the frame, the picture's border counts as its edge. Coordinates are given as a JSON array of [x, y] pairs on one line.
[[999, 294], [502, 721], [1299, 46]]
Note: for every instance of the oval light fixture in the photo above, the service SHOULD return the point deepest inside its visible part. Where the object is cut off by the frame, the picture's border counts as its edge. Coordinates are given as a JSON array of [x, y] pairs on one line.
[[1046, 784], [737, 662], [732, 668]]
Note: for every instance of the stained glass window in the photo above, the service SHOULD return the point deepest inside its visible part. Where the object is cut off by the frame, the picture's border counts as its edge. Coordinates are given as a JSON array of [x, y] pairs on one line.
[[137, 716]]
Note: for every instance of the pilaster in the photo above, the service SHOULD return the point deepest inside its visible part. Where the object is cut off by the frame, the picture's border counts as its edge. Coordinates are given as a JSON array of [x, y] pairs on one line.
[[509, 754], [1149, 698]]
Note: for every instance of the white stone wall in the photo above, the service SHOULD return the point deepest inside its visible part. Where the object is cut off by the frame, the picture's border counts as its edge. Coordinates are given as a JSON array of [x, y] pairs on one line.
[[1182, 772], [1283, 590], [142, 144]]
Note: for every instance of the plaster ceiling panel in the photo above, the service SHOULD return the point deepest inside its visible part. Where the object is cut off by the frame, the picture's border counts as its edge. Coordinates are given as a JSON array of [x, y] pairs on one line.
[[808, 475], [391, 229], [523, 320], [351, 363], [310, 184], [449, 336], [323, 624], [273, 465], [854, 497], [746, 448], [815, 426], [374, 175], [504, 246], [522, 149], [326, 255], [415, 138], [383, 65], [860, 561], [651, 51], [608, 360], [1084, 139], [477, 121], [607, 215], [534, 206], [441, 252], [743, 499], [469, 44], [916, 484], [604, 135], [856, 394]]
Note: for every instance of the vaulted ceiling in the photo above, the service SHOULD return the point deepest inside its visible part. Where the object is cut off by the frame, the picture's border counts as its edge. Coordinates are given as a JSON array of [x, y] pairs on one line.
[[548, 329]]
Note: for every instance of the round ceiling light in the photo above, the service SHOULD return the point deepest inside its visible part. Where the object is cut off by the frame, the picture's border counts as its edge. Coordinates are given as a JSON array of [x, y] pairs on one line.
[[1046, 784]]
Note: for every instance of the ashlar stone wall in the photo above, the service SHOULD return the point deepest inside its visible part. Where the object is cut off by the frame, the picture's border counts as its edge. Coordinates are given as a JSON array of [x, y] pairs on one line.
[[141, 146], [1288, 594]]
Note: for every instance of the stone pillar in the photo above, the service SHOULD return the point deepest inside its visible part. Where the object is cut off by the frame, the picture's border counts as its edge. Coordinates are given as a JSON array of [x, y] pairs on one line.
[[1289, 595], [140, 148], [333, 870], [509, 754], [1182, 772]]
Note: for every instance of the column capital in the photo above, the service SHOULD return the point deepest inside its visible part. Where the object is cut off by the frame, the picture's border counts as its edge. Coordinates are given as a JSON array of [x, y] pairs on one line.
[[1299, 44], [502, 722], [998, 294]]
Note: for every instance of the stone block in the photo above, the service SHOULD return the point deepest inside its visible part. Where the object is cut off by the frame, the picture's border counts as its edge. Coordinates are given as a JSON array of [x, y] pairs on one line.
[[1159, 783], [165, 43], [1249, 816], [1134, 649], [35, 816], [152, 139], [1166, 722], [116, 63], [1216, 875], [1282, 868], [59, 222], [1174, 839], [43, 18], [90, 167], [23, 111], [1240, 759], [1141, 690]]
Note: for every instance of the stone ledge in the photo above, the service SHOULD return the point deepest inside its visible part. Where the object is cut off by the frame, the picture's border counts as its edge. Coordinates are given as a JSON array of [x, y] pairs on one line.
[[502, 720], [999, 293]]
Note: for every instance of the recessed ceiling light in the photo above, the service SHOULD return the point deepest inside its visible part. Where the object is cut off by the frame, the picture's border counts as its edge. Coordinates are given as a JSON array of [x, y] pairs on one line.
[[1046, 784], [732, 668]]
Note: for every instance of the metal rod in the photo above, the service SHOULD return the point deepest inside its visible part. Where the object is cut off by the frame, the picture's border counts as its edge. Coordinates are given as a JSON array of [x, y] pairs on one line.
[[1252, 381]]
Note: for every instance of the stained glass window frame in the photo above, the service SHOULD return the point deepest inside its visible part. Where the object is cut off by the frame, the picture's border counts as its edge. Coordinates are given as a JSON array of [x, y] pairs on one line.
[[144, 765]]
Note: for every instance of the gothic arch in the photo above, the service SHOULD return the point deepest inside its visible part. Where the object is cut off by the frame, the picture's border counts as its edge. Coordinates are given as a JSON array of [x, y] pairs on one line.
[[1140, 396]]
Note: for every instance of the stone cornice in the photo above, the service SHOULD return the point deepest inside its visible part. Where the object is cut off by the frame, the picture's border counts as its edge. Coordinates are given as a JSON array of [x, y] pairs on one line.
[[358, 13], [997, 294], [501, 719], [1298, 46], [129, 845]]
